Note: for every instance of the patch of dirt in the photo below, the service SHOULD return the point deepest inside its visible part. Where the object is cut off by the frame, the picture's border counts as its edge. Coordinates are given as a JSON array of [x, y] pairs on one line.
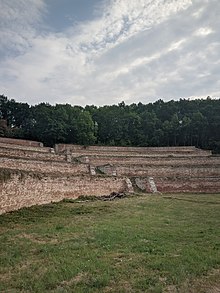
[[19, 267], [206, 284], [5, 277], [122, 286], [37, 239], [75, 280]]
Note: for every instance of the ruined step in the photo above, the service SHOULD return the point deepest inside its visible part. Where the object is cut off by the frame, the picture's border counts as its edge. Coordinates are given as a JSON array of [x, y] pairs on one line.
[[92, 170], [152, 184], [129, 185], [107, 169]]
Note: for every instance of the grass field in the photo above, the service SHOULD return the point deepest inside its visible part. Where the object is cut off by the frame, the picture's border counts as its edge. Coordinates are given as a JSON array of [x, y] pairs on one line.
[[136, 244]]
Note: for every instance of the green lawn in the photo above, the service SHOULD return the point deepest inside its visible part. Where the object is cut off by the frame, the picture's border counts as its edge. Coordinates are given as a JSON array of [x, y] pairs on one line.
[[136, 244]]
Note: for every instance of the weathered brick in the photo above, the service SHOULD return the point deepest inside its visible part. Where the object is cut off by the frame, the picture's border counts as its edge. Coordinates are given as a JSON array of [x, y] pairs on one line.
[[30, 190], [33, 174]]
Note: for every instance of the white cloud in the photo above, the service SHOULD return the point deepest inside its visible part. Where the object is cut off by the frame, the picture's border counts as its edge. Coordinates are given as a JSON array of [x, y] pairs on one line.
[[18, 20], [203, 31], [199, 12], [123, 19], [134, 49]]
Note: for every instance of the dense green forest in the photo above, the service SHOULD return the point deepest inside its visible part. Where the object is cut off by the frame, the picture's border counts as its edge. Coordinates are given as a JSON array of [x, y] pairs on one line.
[[173, 123]]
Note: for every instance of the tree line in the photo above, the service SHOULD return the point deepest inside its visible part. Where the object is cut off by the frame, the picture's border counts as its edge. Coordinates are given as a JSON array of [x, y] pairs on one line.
[[174, 123]]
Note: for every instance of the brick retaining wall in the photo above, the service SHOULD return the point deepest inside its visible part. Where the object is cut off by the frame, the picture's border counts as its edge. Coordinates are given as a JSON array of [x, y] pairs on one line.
[[22, 142], [188, 185], [155, 161], [111, 149], [39, 176], [25, 147], [30, 154], [148, 154], [27, 190], [43, 166], [168, 171]]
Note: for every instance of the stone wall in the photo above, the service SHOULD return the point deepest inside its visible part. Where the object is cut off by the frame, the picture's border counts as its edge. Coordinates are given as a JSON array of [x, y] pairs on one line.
[[155, 161], [25, 147], [43, 166], [148, 154], [30, 154], [188, 185], [60, 148], [179, 184], [31, 174], [168, 171], [24, 189], [20, 142]]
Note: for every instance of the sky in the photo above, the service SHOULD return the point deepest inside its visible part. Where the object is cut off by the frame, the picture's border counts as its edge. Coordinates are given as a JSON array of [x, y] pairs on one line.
[[102, 52]]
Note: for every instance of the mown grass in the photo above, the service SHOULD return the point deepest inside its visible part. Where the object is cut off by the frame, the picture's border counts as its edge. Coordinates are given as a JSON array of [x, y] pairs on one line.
[[136, 244]]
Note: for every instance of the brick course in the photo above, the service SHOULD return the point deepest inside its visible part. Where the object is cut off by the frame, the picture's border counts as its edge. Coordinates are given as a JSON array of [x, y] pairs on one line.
[[43, 166], [29, 154], [23, 190], [22, 142], [73, 148], [25, 147], [33, 174], [169, 171], [155, 161]]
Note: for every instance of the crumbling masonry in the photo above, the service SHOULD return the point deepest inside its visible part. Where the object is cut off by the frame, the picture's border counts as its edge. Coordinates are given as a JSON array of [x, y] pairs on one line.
[[31, 174]]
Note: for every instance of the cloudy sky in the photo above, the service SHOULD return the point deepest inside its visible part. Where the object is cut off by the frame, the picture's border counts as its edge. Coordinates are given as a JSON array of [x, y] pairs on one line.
[[105, 51]]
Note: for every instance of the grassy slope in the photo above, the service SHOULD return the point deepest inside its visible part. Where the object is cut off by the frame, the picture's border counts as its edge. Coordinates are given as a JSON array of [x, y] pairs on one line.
[[138, 244]]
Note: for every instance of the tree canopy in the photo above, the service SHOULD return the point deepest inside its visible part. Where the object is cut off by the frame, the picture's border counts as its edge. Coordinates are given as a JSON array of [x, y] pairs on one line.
[[174, 123]]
